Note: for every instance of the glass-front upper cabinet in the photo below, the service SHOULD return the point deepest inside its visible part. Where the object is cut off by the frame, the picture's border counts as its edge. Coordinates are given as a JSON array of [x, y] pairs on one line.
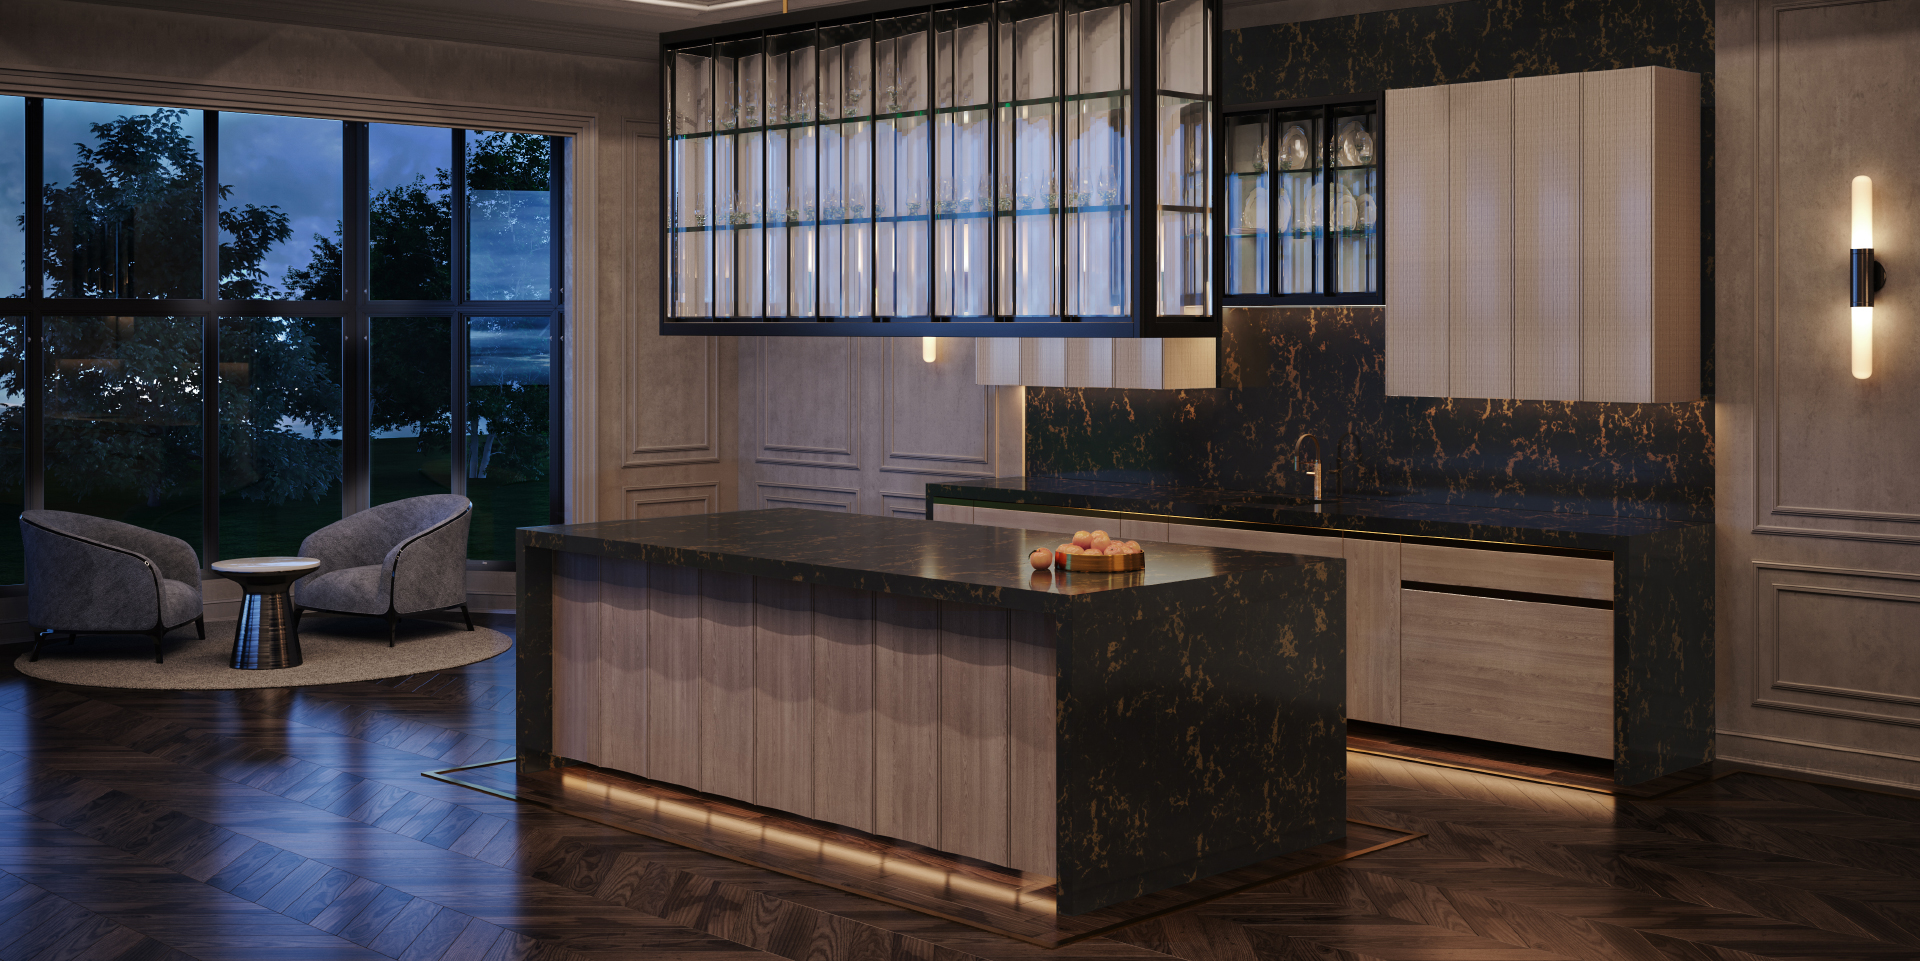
[[960, 169], [1302, 200]]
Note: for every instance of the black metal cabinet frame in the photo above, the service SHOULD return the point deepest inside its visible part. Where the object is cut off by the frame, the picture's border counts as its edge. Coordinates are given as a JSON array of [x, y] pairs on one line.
[[1142, 320], [1330, 294]]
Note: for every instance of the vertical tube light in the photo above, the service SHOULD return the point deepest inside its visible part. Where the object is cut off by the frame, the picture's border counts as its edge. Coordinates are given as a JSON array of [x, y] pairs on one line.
[[929, 352], [1863, 279]]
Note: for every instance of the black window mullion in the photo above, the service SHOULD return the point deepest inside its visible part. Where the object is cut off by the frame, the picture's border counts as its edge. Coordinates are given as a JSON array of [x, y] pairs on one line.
[[32, 365], [457, 388], [210, 341], [556, 328], [355, 329]]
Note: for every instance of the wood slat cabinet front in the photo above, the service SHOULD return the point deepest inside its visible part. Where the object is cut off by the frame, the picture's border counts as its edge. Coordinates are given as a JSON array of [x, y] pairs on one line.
[[1545, 238]]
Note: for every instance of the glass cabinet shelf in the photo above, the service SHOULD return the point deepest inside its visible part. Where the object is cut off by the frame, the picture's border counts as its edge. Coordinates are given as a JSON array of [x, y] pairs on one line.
[[947, 169], [1303, 208]]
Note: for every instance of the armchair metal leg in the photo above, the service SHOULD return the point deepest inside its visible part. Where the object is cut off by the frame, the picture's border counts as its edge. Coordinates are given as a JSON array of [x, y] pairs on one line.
[[468, 616], [37, 639], [200, 626], [393, 627], [159, 650]]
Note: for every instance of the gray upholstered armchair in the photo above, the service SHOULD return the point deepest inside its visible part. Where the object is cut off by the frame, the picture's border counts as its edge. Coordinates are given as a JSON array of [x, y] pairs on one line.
[[395, 560], [90, 575]]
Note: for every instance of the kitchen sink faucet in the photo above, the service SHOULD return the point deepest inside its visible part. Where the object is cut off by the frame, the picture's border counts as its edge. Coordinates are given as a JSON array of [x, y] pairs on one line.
[[1313, 466]]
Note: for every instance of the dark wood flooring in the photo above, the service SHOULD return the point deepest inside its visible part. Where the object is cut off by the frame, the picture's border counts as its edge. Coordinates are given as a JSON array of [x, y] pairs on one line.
[[282, 824]]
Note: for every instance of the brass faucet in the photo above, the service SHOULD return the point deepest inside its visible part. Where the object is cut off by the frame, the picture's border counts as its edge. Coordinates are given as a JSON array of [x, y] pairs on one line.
[[1313, 466]]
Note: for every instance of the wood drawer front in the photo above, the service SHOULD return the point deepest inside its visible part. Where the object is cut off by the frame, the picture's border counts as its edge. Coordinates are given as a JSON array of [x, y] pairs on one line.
[[1556, 574], [1277, 542], [1539, 675]]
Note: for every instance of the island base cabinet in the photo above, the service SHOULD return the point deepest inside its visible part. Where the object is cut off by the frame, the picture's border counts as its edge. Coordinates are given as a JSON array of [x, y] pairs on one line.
[[1518, 672]]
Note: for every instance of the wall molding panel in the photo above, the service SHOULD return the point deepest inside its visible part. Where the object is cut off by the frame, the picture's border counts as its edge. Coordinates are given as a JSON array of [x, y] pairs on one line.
[[1817, 537], [842, 499], [863, 424], [672, 500]]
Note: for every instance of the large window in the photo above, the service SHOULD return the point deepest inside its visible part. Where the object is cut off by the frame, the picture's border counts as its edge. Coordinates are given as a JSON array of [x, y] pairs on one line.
[[234, 328]]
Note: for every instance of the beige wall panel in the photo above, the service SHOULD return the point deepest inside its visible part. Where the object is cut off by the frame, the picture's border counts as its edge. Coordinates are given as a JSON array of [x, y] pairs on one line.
[[1373, 630], [673, 398], [1033, 713], [783, 695], [1539, 675], [934, 419], [1843, 458], [843, 701], [1546, 237], [1838, 642], [974, 677], [726, 684], [622, 672], [1138, 363], [1189, 363], [1278, 542], [1806, 95], [1583, 577], [673, 674], [1418, 255], [1676, 236], [809, 405], [1480, 232], [1616, 230], [576, 657], [906, 724]]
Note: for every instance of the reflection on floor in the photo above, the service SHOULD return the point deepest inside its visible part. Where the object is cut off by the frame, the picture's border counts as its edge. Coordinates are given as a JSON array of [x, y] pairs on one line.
[[295, 824]]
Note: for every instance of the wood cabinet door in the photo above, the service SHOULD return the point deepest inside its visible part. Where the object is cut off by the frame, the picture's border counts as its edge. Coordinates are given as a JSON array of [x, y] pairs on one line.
[[1539, 675]]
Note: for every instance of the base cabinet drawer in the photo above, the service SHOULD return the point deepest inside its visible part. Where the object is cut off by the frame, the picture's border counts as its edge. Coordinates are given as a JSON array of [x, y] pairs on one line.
[[1539, 675]]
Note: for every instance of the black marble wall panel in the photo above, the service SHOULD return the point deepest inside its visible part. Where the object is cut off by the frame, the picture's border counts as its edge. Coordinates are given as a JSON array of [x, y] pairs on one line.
[[1663, 699], [1286, 371]]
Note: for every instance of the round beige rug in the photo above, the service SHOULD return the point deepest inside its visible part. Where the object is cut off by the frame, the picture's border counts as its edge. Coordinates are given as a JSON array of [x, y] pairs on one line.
[[334, 650]]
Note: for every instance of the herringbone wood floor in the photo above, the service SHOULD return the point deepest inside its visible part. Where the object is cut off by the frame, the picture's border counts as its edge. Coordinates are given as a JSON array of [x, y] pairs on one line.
[[294, 824]]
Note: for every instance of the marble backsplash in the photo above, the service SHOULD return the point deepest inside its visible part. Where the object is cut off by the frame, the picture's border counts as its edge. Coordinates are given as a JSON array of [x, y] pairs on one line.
[[1288, 371], [1285, 372]]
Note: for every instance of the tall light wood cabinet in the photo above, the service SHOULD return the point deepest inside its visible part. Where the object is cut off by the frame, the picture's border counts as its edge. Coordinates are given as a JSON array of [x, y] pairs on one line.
[[1545, 238]]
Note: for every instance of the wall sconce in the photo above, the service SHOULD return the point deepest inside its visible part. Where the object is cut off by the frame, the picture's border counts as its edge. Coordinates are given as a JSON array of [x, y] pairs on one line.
[[1867, 276], [929, 349]]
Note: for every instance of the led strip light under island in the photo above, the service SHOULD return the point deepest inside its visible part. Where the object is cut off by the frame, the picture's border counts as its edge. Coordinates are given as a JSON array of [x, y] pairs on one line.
[[1121, 733]]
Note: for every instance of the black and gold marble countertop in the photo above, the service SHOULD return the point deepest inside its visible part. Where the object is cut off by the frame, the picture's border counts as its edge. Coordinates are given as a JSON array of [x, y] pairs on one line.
[[1404, 514], [939, 561]]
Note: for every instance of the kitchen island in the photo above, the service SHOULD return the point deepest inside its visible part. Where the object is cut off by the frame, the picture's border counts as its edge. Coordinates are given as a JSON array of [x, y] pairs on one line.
[[919, 682]]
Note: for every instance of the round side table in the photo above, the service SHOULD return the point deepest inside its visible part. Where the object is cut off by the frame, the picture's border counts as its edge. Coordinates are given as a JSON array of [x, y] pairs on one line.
[[266, 637]]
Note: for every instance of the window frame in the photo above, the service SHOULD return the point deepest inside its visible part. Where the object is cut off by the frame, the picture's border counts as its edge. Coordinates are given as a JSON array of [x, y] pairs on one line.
[[355, 308]]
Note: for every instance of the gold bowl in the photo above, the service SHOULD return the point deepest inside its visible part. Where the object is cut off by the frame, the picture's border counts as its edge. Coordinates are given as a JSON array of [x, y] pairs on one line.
[[1107, 563]]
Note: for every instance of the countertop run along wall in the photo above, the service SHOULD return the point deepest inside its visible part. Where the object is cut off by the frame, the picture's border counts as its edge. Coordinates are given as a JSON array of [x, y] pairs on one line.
[[1288, 370]]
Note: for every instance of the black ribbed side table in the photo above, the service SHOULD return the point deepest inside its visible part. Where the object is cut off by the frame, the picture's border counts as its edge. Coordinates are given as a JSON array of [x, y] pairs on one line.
[[266, 638]]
